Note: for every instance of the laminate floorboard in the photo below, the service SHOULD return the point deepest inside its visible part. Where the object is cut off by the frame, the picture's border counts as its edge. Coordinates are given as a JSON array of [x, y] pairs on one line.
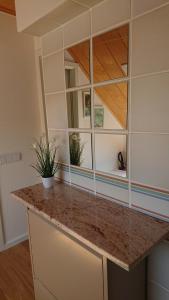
[[16, 282]]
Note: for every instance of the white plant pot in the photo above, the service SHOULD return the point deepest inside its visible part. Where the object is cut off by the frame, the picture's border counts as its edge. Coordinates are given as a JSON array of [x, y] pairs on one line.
[[48, 182]]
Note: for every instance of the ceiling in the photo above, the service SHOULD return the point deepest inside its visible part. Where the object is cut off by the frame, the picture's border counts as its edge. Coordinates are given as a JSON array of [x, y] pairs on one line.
[[65, 10], [7, 6]]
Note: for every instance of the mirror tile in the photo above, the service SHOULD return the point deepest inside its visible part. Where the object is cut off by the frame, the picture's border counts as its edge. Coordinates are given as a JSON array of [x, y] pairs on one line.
[[77, 65], [79, 108], [80, 147], [110, 106], [56, 111], [60, 140], [110, 54], [110, 154], [53, 71]]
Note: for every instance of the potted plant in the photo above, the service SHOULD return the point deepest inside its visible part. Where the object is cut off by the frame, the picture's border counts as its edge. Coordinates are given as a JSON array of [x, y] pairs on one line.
[[45, 153]]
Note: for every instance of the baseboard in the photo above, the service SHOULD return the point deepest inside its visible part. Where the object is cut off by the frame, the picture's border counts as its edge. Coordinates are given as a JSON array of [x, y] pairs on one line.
[[14, 242]]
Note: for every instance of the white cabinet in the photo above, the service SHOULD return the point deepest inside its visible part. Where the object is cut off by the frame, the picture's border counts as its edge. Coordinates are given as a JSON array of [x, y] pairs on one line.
[[41, 293], [67, 269]]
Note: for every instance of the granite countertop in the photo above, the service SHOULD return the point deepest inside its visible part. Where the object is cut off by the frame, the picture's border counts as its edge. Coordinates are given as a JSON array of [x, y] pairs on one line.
[[121, 234]]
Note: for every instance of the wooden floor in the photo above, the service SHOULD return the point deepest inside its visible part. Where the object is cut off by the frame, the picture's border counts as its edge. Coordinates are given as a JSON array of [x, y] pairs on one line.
[[16, 281]]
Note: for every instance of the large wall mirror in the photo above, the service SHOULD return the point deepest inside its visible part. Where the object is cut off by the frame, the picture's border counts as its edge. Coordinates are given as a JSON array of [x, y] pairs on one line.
[[95, 102]]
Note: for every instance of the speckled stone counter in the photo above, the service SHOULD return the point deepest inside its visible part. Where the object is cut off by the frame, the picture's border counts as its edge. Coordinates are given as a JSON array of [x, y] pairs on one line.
[[122, 235]]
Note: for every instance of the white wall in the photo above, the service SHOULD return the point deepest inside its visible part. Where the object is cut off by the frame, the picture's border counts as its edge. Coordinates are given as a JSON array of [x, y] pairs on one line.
[[19, 121]]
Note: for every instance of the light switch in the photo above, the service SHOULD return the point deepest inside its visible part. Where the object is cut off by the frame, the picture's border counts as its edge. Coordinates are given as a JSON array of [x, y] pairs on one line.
[[2, 159], [8, 158]]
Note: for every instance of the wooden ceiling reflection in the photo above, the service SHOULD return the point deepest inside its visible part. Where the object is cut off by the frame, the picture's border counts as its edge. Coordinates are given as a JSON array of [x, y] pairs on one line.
[[110, 55], [8, 6]]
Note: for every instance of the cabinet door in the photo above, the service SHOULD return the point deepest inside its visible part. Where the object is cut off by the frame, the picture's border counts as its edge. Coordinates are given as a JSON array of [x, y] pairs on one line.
[[67, 269], [41, 293]]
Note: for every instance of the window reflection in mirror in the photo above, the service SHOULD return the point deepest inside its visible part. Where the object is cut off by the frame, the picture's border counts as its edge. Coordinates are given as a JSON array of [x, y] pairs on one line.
[[110, 106], [79, 108], [110, 154], [110, 54], [77, 65], [80, 149]]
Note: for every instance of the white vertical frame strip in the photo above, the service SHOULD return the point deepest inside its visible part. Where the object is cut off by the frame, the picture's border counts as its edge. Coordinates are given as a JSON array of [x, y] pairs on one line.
[[66, 131], [129, 105], [43, 95], [92, 103]]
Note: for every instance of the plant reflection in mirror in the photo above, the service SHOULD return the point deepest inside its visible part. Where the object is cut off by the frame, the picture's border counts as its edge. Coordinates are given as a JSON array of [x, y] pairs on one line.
[[76, 149]]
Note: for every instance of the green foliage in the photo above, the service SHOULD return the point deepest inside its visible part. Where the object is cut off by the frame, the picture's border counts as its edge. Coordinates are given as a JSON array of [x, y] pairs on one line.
[[76, 150], [45, 153]]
